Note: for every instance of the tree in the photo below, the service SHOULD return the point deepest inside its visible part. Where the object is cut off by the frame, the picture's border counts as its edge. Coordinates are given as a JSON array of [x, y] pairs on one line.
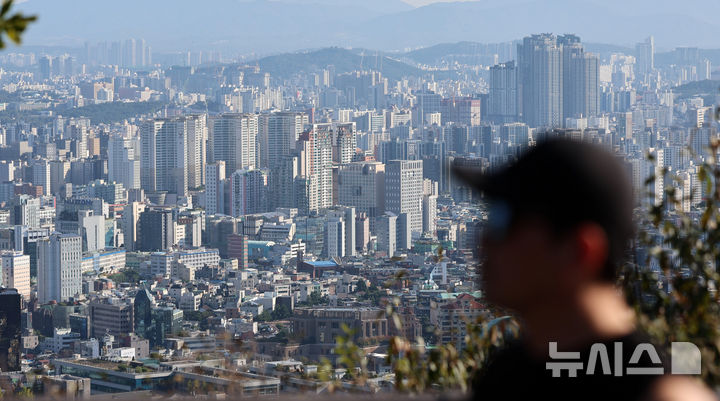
[[265, 316], [678, 300], [13, 26], [281, 312]]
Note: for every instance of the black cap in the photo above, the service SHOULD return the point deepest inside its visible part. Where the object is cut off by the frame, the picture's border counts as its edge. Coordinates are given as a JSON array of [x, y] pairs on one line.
[[566, 182]]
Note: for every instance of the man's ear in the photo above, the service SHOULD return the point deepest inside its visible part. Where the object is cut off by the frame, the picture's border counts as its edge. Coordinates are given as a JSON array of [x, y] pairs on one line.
[[592, 248]]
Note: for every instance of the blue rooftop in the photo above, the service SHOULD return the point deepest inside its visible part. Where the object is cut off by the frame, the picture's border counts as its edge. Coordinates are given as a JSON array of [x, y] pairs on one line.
[[322, 263]]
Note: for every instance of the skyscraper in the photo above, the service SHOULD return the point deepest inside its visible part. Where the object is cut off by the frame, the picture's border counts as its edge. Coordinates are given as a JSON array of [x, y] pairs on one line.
[[197, 135], [540, 81], [315, 166], [645, 57], [59, 273], [278, 133], [277, 137], [580, 79], [232, 140], [503, 93], [164, 159], [404, 191]]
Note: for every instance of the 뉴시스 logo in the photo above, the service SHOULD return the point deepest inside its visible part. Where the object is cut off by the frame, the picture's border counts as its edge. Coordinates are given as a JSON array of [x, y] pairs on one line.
[[685, 359]]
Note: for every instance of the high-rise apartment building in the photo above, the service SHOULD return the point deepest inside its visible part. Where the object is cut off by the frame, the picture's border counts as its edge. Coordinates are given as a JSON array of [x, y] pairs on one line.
[[59, 272], [197, 135], [540, 81], [315, 167], [233, 140], [165, 149], [248, 192], [502, 104], [580, 79], [277, 134], [556, 79]]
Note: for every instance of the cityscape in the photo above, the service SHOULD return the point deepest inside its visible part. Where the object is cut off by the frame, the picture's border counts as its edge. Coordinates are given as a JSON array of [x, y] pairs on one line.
[[201, 222]]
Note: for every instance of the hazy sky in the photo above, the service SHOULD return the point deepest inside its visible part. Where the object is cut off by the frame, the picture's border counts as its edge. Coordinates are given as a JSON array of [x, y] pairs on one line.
[[420, 3]]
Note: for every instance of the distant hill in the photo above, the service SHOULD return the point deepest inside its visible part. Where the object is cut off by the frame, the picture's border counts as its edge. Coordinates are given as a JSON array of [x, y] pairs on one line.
[[433, 54], [285, 65], [709, 90]]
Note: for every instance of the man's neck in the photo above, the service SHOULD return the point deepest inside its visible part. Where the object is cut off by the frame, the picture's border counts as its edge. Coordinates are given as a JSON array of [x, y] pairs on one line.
[[597, 312]]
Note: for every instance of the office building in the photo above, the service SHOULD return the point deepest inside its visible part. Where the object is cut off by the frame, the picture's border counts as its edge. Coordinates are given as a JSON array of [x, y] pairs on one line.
[[16, 272], [362, 186], [59, 267], [404, 191], [110, 316], [249, 192], [156, 230]]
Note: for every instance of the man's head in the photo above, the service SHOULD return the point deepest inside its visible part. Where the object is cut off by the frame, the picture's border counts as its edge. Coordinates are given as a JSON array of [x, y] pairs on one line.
[[558, 220]]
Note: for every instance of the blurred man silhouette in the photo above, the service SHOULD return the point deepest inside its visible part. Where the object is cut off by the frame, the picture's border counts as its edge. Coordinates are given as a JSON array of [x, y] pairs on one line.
[[559, 221]]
